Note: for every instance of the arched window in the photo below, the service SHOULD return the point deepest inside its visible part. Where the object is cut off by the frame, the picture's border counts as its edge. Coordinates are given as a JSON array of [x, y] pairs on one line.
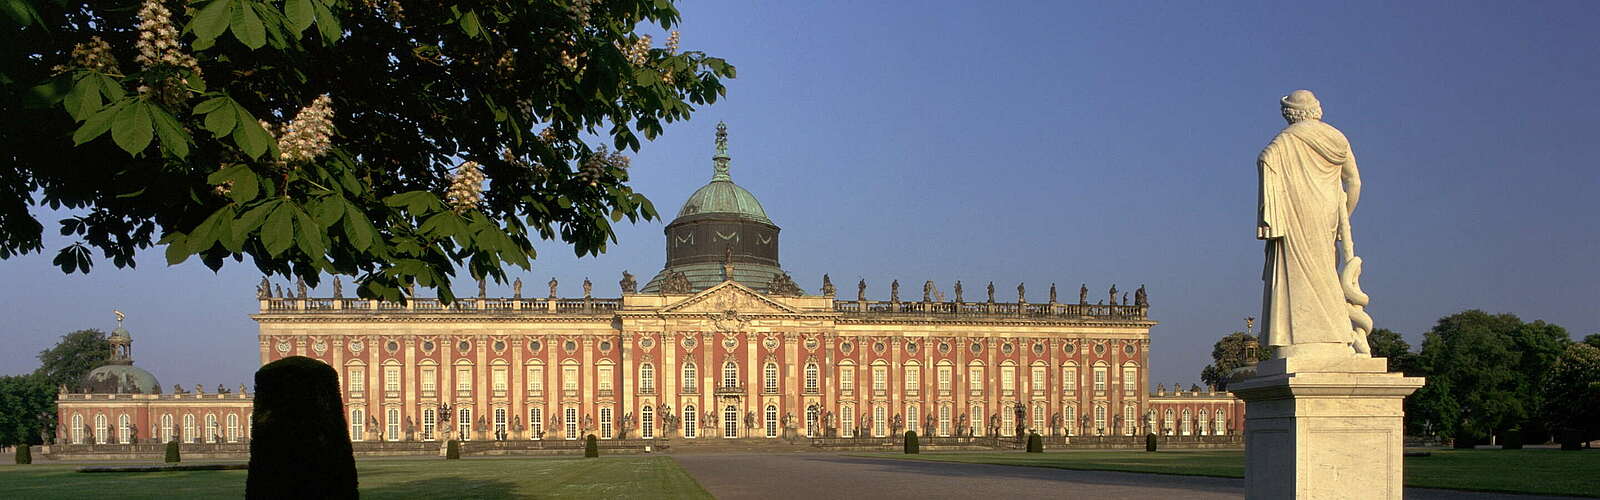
[[102, 431], [811, 421], [647, 422], [391, 376], [233, 427], [570, 422], [605, 422], [1036, 379], [124, 429], [500, 428], [1221, 424], [604, 372], [1099, 420], [1130, 420], [166, 428], [463, 376], [358, 425], [77, 429], [913, 417], [1008, 418], [1008, 377], [1069, 417], [847, 421], [190, 431], [811, 378], [1130, 377], [1200, 421], [1039, 414], [464, 424], [647, 378], [569, 376], [769, 377], [1188, 424], [1171, 426], [430, 421], [880, 376], [772, 421], [355, 377], [691, 419], [880, 421], [730, 375], [211, 428], [430, 376], [730, 421], [536, 422], [392, 424], [691, 378], [944, 419], [976, 420]]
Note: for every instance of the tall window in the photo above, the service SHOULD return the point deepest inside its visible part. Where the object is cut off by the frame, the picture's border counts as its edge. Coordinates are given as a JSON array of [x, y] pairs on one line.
[[690, 378], [1069, 378], [358, 425], [124, 429], [847, 421], [913, 416], [944, 419], [769, 377], [880, 417], [430, 378], [190, 431], [166, 428], [1171, 423], [391, 379], [536, 422], [772, 421], [604, 373], [1008, 378], [880, 378], [464, 424], [430, 420], [690, 419], [570, 420], [1069, 416], [569, 377], [1130, 420], [605, 422], [1038, 416], [647, 422], [498, 378], [811, 421], [1100, 420], [975, 381], [77, 429], [1036, 381], [647, 378], [1188, 423], [913, 378], [847, 378], [536, 378], [1200, 422], [391, 422], [1099, 377], [357, 376], [1008, 419], [976, 420], [463, 378], [1130, 378], [211, 428], [945, 373], [233, 427], [730, 374], [1221, 424], [730, 422], [811, 377]]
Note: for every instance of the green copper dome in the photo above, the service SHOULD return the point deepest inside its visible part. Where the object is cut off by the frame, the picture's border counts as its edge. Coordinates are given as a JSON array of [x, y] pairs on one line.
[[721, 195]]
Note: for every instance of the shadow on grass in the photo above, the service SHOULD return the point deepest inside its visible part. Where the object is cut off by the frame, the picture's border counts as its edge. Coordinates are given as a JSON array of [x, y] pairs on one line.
[[444, 487]]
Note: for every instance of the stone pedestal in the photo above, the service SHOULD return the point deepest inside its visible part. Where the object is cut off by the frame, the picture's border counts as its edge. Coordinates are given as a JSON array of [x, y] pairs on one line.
[[1325, 427]]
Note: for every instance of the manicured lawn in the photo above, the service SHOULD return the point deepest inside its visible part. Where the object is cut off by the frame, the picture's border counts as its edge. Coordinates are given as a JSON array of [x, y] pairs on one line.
[[1537, 471], [605, 477]]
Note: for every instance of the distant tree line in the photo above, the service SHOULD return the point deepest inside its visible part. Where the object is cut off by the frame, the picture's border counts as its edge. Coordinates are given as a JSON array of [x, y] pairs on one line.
[[28, 402]]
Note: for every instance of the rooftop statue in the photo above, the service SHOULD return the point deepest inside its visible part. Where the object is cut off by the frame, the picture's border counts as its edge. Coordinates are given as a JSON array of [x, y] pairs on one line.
[[553, 284], [1022, 293], [894, 291], [628, 284], [300, 287], [516, 288], [264, 290], [588, 288], [1083, 293], [861, 290], [338, 288], [1113, 294], [991, 292], [1139, 297], [1309, 187], [827, 286], [1052, 293], [958, 291], [927, 291]]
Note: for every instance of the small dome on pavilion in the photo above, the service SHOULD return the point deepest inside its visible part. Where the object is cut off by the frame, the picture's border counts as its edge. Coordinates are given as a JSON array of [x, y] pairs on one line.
[[721, 195]]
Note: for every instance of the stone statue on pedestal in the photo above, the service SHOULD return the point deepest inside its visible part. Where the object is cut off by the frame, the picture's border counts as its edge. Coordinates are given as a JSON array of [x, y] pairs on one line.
[[1083, 294], [827, 286], [338, 288], [991, 292], [300, 286], [958, 291], [1309, 187], [1052, 293], [1022, 293], [628, 284], [894, 291], [1113, 299], [553, 284], [861, 290], [588, 288], [264, 290], [516, 288]]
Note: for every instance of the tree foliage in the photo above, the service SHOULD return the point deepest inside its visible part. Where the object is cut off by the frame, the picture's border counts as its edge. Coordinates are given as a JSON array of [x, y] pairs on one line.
[[73, 357], [27, 406], [1572, 392], [1228, 354], [1484, 372], [390, 141], [1386, 343]]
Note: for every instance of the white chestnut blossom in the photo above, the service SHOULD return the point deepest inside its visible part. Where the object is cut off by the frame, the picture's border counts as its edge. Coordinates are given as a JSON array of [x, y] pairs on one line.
[[310, 135], [158, 39], [466, 188], [93, 55]]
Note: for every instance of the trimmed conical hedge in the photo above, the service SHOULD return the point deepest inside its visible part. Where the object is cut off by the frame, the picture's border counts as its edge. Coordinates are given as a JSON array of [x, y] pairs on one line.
[[452, 450], [591, 447], [173, 455], [1150, 442], [912, 445], [1035, 443], [301, 447], [24, 455]]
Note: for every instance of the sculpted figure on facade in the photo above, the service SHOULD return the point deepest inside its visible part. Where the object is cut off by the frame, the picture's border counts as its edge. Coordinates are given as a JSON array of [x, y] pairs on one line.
[[198, 389], [927, 291], [628, 283], [1052, 293], [963, 427], [264, 290], [1083, 294], [827, 286], [1022, 293], [861, 290], [991, 292], [678, 283], [280, 291], [1113, 299], [588, 288], [750, 420], [1124, 298], [1309, 187], [178, 389], [958, 291], [516, 288], [338, 288], [1139, 297], [300, 286], [241, 388], [894, 291], [553, 284], [782, 284]]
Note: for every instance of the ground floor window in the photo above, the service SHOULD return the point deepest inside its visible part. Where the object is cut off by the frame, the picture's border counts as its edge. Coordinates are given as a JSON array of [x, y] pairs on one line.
[[189, 430], [647, 423], [811, 421], [569, 422], [500, 423], [358, 421], [430, 419], [1188, 423], [1038, 418], [691, 426], [944, 420], [1099, 420], [77, 429], [392, 419], [1201, 423], [536, 422], [464, 424], [605, 422], [166, 428], [211, 428], [913, 416], [1069, 418], [1221, 424], [847, 421], [1008, 421], [233, 427], [975, 417], [1171, 423], [124, 429], [1129, 420], [772, 421], [880, 417], [101, 430], [730, 421]]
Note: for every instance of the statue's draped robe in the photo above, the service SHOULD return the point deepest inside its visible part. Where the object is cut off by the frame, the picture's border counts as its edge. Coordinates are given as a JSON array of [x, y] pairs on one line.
[[1302, 201]]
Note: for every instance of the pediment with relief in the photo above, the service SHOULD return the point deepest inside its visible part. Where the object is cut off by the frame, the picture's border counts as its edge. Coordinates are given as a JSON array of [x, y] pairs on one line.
[[729, 296]]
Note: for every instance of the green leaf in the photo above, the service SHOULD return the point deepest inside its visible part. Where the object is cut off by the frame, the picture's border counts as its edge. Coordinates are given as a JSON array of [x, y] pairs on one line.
[[329, 210], [249, 135], [205, 234], [246, 186], [131, 127], [96, 125], [278, 233], [174, 138], [470, 24], [311, 234], [49, 93], [177, 248], [357, 227], [247, 27], [252, 219], [212, 20], [109, 87], [300, 14], [220, 118], [327, 24], [83, 99]]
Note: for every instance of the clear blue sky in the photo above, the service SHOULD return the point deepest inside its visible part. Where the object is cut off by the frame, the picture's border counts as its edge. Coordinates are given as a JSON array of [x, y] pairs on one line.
[[1102, 142]]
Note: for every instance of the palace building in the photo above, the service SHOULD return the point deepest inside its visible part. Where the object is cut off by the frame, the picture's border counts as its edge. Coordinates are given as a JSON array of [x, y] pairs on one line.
[[721, 343]]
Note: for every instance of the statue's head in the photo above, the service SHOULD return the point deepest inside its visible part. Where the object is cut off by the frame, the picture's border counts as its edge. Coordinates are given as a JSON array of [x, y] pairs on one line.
[[1301, 105]]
